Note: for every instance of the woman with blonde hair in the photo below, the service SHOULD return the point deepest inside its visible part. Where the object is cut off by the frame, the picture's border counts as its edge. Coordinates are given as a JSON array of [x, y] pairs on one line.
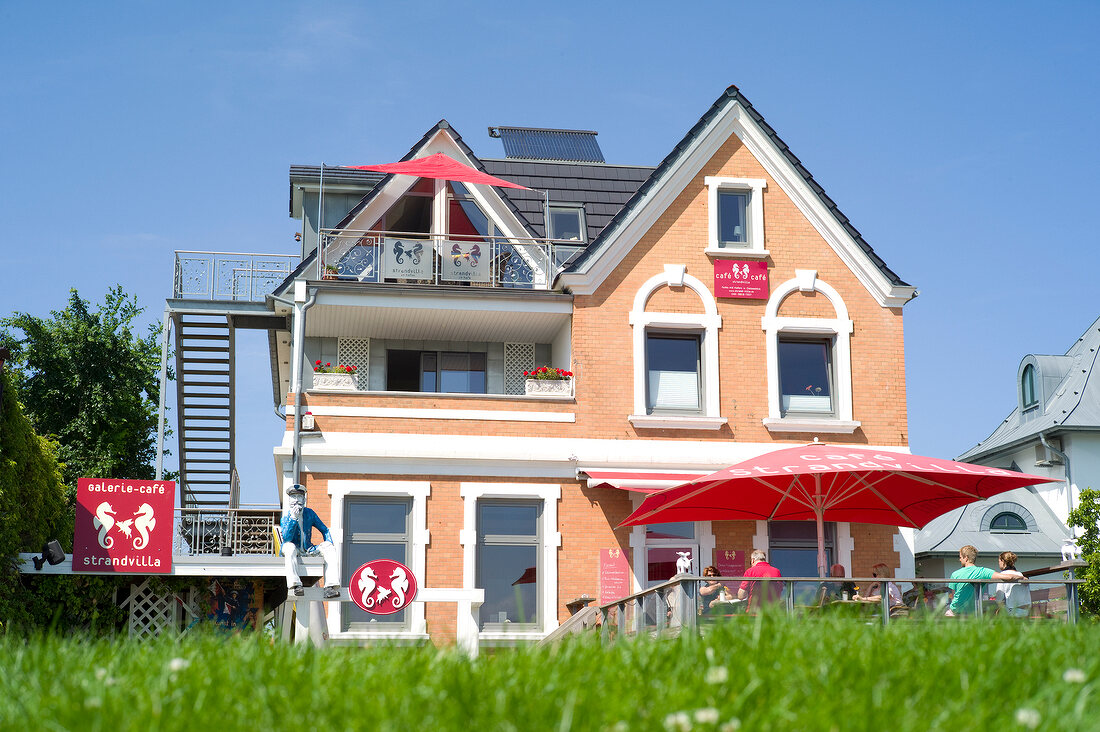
[[874, 590]]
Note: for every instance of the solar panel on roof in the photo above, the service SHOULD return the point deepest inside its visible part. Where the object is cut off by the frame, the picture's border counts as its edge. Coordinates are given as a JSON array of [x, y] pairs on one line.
[[530, 143]]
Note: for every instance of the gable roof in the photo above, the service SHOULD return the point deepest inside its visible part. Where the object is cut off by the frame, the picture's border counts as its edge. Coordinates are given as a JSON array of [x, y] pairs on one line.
[[892, 290], [1069, 398], [473, 162], [601, 189], [970, 525]]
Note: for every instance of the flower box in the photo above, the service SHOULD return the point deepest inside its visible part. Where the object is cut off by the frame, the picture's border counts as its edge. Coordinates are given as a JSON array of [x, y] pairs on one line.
[[333, 382], [548, 387]]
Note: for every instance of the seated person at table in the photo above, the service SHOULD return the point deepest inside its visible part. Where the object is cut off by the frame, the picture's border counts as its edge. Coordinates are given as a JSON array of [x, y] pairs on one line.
[[1015, 597], [749, 588], [874, 590], [711, 590], [962, 602], [838, 590]]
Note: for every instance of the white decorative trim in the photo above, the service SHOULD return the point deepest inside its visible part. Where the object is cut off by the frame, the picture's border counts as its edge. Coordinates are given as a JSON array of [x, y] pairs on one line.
[[845, 545], [755, 187], [463, 414], [761, 539], [839, 328], [728, 120], [737, 253], [419, 538], [799, 424], [676, 422], [550, 494], [709, 322]]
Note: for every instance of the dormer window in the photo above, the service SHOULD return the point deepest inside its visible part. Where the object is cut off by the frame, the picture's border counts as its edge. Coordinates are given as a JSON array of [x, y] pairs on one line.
[[1007, 521], [567, 223], [735, 213], [1028, 395]]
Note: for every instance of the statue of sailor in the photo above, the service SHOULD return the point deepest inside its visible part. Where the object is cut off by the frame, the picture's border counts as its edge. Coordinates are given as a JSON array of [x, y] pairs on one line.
[[297, 530]]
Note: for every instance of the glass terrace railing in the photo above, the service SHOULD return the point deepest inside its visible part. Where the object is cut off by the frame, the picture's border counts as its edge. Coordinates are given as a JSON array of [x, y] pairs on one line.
[[455, 259]]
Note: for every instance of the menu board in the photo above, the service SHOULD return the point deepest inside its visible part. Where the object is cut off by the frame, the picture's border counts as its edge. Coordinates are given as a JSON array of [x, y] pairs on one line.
[[731, 562], [614, 575]]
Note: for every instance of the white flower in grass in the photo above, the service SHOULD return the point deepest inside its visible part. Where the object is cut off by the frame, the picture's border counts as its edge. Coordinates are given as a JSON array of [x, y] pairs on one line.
[[717, 675], [100, 673], [710, 655], [1029, 718], [93, 702], [707, 715], [678, 722], [731, 726], [1074, 676], [178, 664]]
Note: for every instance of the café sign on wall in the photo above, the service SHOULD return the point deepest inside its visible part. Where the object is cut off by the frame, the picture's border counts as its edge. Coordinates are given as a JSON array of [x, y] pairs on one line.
[[747, 279]]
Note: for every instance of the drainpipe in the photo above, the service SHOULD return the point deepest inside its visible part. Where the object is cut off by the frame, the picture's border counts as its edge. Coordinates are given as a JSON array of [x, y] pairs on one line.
[[1069, 475], [301, 305]]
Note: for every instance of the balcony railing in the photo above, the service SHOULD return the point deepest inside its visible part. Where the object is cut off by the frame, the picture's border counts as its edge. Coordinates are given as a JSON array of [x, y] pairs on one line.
[[234, 530], [456, 259], [229, 275]]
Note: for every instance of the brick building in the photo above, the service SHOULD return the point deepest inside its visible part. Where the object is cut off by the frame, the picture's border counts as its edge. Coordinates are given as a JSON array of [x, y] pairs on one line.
[[711, 308]]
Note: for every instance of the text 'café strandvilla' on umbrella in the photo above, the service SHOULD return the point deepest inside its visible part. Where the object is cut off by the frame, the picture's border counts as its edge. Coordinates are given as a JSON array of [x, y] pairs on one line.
[[698, 312]]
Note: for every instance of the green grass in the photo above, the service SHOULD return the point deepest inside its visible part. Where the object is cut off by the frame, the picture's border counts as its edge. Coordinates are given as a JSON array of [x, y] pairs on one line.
[[779, 675]]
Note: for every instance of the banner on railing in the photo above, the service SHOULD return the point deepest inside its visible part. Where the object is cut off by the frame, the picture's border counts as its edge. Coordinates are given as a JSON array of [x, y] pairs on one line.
[[408, 259], [466, 261], [123, 526], [614, 575]]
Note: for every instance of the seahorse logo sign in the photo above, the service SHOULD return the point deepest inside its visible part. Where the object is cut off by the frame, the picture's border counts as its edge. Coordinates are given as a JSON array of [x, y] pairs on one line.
[[382, 587], [124, 526]]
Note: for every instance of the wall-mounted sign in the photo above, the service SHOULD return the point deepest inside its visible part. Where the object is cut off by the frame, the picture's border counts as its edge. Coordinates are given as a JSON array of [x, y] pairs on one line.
[[733, 278], [614, 575], [466, 261], [382, 587], [407, 259], [730, 563], [123, 526]]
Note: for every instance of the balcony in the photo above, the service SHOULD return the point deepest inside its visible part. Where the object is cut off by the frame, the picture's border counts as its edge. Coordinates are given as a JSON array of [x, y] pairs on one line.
[[229, 276], [456, 260]]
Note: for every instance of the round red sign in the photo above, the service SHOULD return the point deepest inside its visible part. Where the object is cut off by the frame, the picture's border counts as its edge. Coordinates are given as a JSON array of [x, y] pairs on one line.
[[382, 587]]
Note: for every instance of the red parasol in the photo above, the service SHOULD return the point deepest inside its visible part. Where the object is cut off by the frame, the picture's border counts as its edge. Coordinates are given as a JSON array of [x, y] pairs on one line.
[[440, 166], [835, 483]]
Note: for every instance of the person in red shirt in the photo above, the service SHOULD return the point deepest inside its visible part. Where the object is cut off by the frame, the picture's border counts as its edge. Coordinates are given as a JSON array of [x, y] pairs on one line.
[[749, 589]]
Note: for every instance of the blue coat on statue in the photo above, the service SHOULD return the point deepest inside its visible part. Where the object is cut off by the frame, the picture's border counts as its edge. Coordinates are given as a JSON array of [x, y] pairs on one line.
[[300, 533]]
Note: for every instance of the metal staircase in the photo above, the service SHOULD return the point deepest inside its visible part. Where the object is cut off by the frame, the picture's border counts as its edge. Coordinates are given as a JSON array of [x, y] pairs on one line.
[[204, 398]]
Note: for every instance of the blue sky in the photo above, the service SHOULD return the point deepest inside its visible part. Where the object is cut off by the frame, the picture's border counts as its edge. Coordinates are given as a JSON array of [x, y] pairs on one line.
[[957, 137]]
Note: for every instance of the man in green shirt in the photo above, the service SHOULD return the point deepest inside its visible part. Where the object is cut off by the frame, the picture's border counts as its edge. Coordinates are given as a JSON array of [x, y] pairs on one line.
[[962, 601]]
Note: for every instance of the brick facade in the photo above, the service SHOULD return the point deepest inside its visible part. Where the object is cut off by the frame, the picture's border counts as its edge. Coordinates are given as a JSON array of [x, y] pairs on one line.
[[602, 359]]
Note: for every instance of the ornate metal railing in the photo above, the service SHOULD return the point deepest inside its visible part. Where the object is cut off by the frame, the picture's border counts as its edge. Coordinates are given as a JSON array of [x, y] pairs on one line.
[[229, 275], [225, 530], [456, 259]]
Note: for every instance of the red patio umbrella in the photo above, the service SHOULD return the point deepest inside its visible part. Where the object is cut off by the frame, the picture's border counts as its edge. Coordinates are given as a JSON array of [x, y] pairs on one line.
[[831, 482], [440, 166]]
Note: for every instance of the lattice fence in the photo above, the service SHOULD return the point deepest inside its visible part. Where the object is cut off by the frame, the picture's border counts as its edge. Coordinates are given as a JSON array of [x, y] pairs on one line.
[[355, 352], [518, 357], [150, 613]]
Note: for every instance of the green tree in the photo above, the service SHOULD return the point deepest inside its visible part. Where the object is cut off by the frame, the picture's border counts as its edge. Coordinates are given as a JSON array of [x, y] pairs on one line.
[[1087, 517], [81, 401], [87, 381]]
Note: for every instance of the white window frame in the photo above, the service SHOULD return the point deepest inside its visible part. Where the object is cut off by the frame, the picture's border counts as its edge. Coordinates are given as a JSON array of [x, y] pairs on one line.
[[640, 544], [708, 323], [548, 561], [419, 537], [754, 246], [839, 329], [581, 223]]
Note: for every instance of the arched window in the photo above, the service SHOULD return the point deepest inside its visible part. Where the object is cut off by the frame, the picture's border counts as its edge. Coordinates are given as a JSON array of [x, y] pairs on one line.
[[1007, 521], [1027, 387]]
